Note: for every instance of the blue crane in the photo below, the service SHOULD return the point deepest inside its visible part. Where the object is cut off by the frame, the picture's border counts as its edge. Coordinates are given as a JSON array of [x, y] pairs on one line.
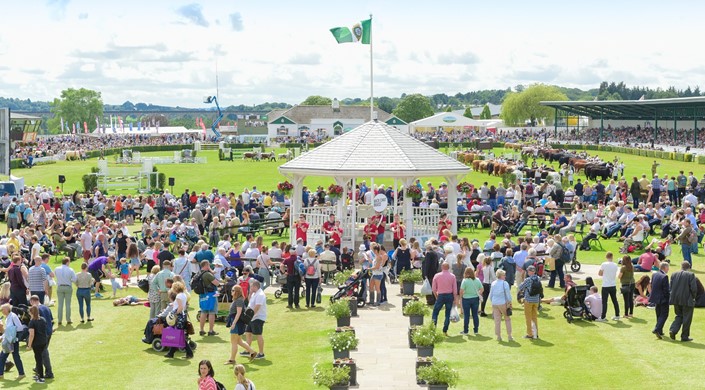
[[214, 126]]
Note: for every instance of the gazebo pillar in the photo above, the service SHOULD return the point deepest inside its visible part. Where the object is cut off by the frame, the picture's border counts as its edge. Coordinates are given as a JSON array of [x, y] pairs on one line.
[[453, 201], [296, 203], [408, 208], [340, 205]]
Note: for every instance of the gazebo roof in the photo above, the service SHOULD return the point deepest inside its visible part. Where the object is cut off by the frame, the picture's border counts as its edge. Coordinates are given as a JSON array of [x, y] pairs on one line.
[[374, 149]]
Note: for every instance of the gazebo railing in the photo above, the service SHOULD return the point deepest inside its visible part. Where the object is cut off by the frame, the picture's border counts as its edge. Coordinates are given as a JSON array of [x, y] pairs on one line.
[[426, 221]]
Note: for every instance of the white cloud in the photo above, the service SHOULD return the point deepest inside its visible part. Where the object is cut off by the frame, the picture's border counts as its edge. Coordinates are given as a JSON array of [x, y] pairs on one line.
[[194, 14], [236, 21]]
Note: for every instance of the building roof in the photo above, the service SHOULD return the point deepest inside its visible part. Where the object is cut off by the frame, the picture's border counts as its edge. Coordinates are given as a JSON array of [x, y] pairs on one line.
[[303, 114], [15, 115], [374, 149], [653, 109], [448, 119]]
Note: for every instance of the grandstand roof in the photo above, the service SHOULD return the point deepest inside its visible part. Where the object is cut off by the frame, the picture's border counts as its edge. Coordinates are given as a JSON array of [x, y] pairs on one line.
[[655, 109]]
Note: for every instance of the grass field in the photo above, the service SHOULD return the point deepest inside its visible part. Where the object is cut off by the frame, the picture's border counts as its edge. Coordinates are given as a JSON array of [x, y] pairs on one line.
[[579, 355]]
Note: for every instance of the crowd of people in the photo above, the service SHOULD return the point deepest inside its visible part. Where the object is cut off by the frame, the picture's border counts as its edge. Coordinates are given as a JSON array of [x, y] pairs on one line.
[[635, 136]]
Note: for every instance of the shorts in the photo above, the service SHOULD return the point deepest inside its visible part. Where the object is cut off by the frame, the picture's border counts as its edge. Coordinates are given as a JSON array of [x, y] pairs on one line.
[[97, 275], [125, 276], [135, 262], [378, 277], [255, 327], [207, 312], [12, 223], [86, 255], [239, 329]]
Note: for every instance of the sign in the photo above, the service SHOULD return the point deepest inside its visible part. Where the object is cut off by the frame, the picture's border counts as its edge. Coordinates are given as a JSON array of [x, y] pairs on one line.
[[379, 203], [449, 119]]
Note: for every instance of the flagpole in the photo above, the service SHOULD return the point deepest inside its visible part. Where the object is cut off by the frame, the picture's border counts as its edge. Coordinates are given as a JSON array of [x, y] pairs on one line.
[[372, 99]]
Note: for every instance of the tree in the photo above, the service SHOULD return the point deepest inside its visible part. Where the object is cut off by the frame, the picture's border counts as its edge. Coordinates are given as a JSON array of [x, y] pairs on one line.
[[468, 112], [449, 109], [519, 107], [486, 113], [316, 100], [76, 105], [413, 107], [386, 104]]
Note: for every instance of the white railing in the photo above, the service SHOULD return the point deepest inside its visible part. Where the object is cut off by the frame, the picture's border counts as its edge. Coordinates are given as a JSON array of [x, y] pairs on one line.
[[315, 216], [426, 221]]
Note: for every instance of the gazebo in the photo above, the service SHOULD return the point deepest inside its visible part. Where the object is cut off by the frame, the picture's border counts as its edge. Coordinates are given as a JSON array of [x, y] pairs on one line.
[[375, 150]]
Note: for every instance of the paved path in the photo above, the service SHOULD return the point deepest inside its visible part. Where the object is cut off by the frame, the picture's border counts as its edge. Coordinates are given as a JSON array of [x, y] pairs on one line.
[[384, 359]]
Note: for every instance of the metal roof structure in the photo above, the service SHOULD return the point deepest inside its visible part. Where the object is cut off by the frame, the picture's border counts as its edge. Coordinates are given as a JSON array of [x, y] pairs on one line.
[[374, 149], [688, 108], [303, 115]]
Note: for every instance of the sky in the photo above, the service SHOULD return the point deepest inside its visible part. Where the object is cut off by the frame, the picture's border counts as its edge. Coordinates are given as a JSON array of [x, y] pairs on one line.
[[166, 52]]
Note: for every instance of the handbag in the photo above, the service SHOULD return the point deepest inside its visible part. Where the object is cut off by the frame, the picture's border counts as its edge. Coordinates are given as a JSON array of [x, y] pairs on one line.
[[207, 302], [509, 307], [426, 289], [625, 289], [318, 295], [247, 315]]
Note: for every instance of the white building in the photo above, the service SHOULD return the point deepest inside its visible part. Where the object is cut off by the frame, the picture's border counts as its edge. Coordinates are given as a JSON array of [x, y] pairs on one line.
[[324, 121]]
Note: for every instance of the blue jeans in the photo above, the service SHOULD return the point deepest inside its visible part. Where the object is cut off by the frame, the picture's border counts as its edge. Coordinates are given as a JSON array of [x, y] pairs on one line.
[[686, 249], [500, 200], [470, 305], [443, 300], [493, 204], [84, 295], [15, 357]]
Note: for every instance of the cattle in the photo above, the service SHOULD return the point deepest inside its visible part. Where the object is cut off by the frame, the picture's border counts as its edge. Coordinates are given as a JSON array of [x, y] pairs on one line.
[[73, 155], [514, 146], [285, 156], [593, 171], [254, 156], [476, 165], [269, 156]]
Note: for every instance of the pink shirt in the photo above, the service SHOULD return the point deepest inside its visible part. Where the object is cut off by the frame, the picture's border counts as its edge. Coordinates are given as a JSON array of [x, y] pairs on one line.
[[444, 283], [647, 260]]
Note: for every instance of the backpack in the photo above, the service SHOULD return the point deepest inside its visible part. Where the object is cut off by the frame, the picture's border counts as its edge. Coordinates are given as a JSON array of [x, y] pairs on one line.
[[311, 269], [529, 189], [565, 254], [693, 236], [245, 285], [219, 386], [197, 284], [299, 268], [535, 288], [11, 209]]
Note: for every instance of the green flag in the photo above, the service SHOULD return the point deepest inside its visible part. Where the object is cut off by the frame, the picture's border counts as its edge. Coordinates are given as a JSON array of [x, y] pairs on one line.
[[361, 32]]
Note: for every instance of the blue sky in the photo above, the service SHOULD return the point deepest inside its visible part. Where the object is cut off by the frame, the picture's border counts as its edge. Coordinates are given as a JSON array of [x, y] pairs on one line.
[[165, 52]]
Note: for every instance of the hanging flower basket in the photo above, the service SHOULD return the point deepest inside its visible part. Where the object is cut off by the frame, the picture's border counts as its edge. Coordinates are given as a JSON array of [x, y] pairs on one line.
[[413, 192], [464, 187], [335, 191], [285, 188]]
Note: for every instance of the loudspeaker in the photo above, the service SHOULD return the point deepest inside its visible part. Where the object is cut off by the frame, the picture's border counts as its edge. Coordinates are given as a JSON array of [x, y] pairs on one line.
[[62, 179], [171, 182]]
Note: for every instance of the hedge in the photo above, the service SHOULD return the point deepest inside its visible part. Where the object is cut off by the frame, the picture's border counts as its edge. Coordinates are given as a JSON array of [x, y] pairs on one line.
[[678, 156], [701, 159]]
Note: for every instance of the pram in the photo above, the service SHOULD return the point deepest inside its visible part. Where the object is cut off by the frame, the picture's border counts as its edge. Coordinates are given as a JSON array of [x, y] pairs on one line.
[[392, 267], [575, 304], [283, 289], [355, 286], [501, 226]]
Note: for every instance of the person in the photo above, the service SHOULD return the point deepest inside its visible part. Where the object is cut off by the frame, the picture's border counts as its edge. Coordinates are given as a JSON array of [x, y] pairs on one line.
[[84, 280], [37, 341], [160, 282], [45, 313], [65, 278], [312, 278], [471, 291], [205, 376], [264, 262], [237, 329], [501, 304], [38, 284], [293, 279], [12, 320], [301, 229], [153, 293], [626, 280], [488, 277], [645, 262], [555, 252], [181, 268], [98, 270], [445, 290], [17, 274], [402, 253], [660, 297], [133, 254], [377, 274], [258, 303], [208, 306], [683, 293], [687, 241], [594, 302], [242, 382], [531, 303], [179, 309], [608, 271]]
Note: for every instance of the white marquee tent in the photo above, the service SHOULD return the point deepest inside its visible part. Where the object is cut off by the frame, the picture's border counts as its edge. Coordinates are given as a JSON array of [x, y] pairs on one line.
[[450, 121]]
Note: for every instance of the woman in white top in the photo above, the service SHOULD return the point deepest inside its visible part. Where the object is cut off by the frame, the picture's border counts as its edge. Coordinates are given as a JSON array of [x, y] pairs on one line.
[[11, 319], [312, 267], [242, 382], [263, 264], [180, 300], [488, 276]]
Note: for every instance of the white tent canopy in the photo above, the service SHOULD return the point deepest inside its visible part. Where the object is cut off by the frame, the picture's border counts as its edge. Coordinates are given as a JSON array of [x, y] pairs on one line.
[[374, 149], [449, 119], [152, 131]]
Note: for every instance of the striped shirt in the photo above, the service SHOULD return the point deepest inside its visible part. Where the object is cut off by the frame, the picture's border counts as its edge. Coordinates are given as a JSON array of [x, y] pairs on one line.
[[37, 278]]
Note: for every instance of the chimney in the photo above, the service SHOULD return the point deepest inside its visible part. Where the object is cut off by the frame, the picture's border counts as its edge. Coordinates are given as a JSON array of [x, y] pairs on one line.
[[335, 105]]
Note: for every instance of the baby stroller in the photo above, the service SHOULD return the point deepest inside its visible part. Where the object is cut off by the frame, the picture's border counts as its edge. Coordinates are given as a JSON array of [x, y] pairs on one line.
[[392, 267], [283, 289], [164, 336], [575, 304], [355, 286], [501, 226]]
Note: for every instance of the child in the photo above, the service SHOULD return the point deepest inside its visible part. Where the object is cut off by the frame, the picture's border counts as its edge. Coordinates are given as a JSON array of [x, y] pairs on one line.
[[218, 269], [129, 300], [114, 283], [124, 272]]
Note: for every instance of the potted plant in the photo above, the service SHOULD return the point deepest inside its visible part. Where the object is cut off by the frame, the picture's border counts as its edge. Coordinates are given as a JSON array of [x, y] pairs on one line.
[[425, 338], [412, 329], [342, 343], [345, 329], [285, 188], [408, 280], [423, 361], [415, 310], [341, 311], [408, 298], [353, 368], [352, 304], [438, 375], [334, 378], [341, 277]]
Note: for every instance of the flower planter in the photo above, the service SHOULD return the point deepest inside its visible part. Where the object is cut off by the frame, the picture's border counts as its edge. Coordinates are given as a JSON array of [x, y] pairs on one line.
[[346, 329], [345, 354], [412, 345], [353, 372], [408, 298], [415, 320], [438, 387], [353, 307], [344, 387], [424, 351], [430, 300], [407, 288], [343, 321], [420, 364]]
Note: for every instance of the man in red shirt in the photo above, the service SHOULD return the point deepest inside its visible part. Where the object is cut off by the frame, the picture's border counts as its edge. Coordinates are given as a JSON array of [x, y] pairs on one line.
[[301, 228], [371, 230], [398, 229], [443, 224], [379, 221], [328, 227], [336, 234], [293, 280]]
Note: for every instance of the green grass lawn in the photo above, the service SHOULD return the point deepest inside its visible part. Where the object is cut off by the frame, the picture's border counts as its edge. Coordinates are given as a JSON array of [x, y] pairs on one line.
[[580, 355]]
